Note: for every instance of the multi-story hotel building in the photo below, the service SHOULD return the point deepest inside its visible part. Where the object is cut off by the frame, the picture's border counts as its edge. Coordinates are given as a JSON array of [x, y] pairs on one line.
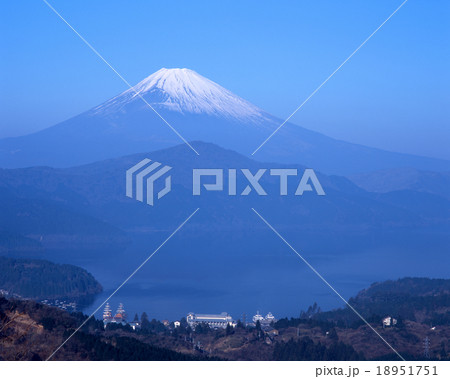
[[214, 321]]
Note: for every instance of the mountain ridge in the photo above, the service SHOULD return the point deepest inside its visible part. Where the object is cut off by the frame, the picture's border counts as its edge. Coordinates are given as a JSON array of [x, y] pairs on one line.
[[404, 178], [130, 126]]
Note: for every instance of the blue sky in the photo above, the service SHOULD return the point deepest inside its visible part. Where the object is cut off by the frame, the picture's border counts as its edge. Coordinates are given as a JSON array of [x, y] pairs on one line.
[[392, 94]]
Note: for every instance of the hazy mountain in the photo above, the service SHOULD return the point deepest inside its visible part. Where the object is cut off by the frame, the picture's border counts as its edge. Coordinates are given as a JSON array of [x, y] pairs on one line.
[[352, 235], [437, 183], [198, 109], [16, 245], [87, 204], [98, 190], [30, 218]]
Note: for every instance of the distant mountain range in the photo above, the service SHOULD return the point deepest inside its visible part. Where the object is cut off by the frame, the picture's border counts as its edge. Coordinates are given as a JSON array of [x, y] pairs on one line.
[[405, 178], [98, 190], [64, 207], [199, 110], [30, 218]]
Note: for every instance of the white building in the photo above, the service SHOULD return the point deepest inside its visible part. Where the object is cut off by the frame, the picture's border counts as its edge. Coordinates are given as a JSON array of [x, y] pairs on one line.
[[177, 324], [135, 325], [264, 320], [389, 321], [258, 317], [214, 321]]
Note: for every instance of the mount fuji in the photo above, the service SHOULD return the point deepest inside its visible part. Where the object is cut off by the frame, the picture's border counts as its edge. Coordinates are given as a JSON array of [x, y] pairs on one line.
[[185, 92], [201, 110]]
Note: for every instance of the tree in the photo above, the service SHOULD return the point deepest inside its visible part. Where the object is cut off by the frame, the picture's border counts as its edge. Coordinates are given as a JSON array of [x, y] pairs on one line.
[[443, 352], [183, 322], [259, 332], [157, 326], [400, 323], [48, 323], [202, 328], [332, 334], [145, 323]]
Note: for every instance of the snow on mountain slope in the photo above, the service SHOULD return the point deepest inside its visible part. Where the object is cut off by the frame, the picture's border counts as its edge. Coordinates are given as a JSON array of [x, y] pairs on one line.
[[185, 91], [200, 110]]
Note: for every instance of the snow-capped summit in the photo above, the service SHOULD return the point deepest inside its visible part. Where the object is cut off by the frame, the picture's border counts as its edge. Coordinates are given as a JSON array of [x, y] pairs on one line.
[[199, 110], [185, 91]]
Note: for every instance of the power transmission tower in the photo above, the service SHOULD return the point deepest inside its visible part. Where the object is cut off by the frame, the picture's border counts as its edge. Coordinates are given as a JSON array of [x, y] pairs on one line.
[[426, 348]]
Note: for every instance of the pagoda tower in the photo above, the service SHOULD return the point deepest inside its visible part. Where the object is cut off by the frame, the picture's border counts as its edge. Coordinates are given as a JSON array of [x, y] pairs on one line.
[[107, 314], [121, 315]]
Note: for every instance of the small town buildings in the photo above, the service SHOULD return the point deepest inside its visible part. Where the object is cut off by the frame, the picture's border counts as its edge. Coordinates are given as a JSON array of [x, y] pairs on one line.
[[135, 324], [61, 304], [214, 321], [263, 320], [389, 321], [177, 324]]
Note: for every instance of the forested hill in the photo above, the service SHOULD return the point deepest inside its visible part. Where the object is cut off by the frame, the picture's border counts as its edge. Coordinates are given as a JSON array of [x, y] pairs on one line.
[[406, 286], [40, 279], [416, 299], [32, 331]]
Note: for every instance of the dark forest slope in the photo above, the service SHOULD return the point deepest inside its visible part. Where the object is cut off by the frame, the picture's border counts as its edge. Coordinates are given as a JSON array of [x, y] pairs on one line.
[[39, 279]]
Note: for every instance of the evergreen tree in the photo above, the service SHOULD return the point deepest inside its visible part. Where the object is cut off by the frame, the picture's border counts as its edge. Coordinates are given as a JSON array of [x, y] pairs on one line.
[[332, 334], [259, 332], [145, 323]]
